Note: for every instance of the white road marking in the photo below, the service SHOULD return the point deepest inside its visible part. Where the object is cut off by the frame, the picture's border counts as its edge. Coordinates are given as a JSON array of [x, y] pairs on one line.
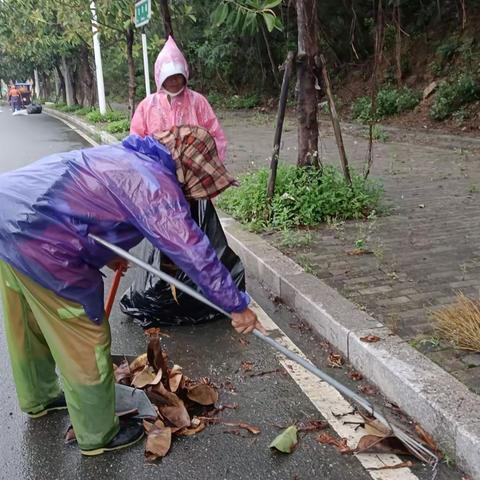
[[328, 402]]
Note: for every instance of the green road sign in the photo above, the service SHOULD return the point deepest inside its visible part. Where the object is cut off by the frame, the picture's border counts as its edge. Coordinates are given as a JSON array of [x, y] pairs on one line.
[[143, 12]]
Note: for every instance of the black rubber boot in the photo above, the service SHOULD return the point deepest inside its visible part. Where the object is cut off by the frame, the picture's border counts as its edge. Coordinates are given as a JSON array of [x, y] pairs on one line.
[[130, 433], [58, 403]]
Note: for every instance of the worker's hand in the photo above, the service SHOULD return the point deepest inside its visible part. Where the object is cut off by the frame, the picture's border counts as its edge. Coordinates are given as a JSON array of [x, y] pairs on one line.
[[118, 263], [246, 321]]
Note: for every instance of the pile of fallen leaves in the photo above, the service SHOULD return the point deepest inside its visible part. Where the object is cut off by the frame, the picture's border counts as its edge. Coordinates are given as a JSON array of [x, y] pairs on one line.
[[183, 405]]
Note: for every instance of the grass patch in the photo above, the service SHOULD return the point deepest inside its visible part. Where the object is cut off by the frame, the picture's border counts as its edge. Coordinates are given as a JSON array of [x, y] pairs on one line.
[[112, 116], [118, 126], [234, 102], [460, 323], [83, 111], [63, 107], [295, 239], [303, 197]]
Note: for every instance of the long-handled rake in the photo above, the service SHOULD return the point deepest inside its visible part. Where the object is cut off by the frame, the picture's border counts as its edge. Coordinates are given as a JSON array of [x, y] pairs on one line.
[[415, 447]]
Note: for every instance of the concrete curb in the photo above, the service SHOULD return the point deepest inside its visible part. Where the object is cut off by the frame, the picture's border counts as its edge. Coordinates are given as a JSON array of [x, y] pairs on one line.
[[440, 403], [76, 124]]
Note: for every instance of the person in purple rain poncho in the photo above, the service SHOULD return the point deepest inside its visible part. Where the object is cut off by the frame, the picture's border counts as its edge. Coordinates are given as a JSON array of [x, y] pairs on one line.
[[50, 279]]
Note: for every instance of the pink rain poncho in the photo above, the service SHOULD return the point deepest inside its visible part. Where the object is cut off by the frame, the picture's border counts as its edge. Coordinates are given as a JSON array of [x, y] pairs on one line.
[[155, 113], [121, 193]]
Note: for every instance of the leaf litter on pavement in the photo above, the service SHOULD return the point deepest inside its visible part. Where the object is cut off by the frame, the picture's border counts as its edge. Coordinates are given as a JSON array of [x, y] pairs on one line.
[[185, 407]]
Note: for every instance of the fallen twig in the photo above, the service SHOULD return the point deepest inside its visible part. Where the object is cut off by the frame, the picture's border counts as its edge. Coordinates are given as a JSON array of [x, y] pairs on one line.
[[251, 428]]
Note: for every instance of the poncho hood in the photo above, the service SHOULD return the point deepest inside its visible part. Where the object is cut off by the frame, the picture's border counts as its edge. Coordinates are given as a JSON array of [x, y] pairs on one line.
[[170, 61]]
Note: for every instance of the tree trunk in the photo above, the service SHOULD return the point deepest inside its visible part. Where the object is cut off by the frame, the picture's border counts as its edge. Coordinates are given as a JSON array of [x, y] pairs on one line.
[[60, 86], [67, 81], [306, 83], [130, 36], [165, 16], [76, 85], [36, 89], [86, 77]]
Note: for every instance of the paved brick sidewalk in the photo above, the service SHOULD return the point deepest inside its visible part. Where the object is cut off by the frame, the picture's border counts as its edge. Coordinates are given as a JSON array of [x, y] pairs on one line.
[[424, 251]]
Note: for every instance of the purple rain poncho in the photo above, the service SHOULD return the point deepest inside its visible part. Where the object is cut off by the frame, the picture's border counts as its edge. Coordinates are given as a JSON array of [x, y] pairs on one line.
[[121, 193]]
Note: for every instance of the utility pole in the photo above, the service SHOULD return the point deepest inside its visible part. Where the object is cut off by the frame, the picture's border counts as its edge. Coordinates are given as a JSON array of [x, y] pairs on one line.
[[98, 61]]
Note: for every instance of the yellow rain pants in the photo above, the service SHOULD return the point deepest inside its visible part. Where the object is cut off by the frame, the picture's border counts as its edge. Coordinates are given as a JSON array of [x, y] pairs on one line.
[[44, 330]]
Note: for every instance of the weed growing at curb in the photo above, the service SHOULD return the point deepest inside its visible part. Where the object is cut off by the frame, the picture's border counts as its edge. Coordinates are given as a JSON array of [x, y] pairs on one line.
[[295, 239], [303, 197]]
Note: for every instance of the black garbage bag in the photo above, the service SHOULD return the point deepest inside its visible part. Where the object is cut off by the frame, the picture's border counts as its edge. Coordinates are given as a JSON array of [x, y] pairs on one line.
[[34, 108], [153, 302]]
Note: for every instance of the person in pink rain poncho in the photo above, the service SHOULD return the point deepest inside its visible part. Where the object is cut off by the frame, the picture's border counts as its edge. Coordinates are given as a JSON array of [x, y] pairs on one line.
[[175, 104]]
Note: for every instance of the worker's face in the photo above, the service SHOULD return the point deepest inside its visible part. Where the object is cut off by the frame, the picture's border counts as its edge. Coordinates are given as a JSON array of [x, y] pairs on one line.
[[174, 83]]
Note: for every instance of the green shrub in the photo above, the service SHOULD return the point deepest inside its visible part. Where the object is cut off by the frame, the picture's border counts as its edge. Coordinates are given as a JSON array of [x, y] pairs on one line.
[[63, 107], [119, 126], [447, 50], [112, 116], [452, 95], [83, 111], [303, 197], [95, 116], [362, 110], [115, 116], [390, 101]]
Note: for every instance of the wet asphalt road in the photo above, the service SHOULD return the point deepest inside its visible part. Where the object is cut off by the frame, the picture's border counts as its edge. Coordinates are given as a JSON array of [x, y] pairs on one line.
[[34, 449]]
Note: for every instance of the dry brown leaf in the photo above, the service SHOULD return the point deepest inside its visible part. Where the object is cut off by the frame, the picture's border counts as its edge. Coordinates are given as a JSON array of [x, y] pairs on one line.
[[203, 394], [355, 376], [173, 289], [70, 436], [174, 410], [122, 373], [335, 360], [375, 427], [138, 363], [407, 464], [370, 338], [426, 438], [148, 425], [359, 251], [251, 428], [158, 443], [339, 443], [145, 377], [376, 444], [175, 378], [367, 389], [312, 426], [196, 427], [155, 356], [246, 365]]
